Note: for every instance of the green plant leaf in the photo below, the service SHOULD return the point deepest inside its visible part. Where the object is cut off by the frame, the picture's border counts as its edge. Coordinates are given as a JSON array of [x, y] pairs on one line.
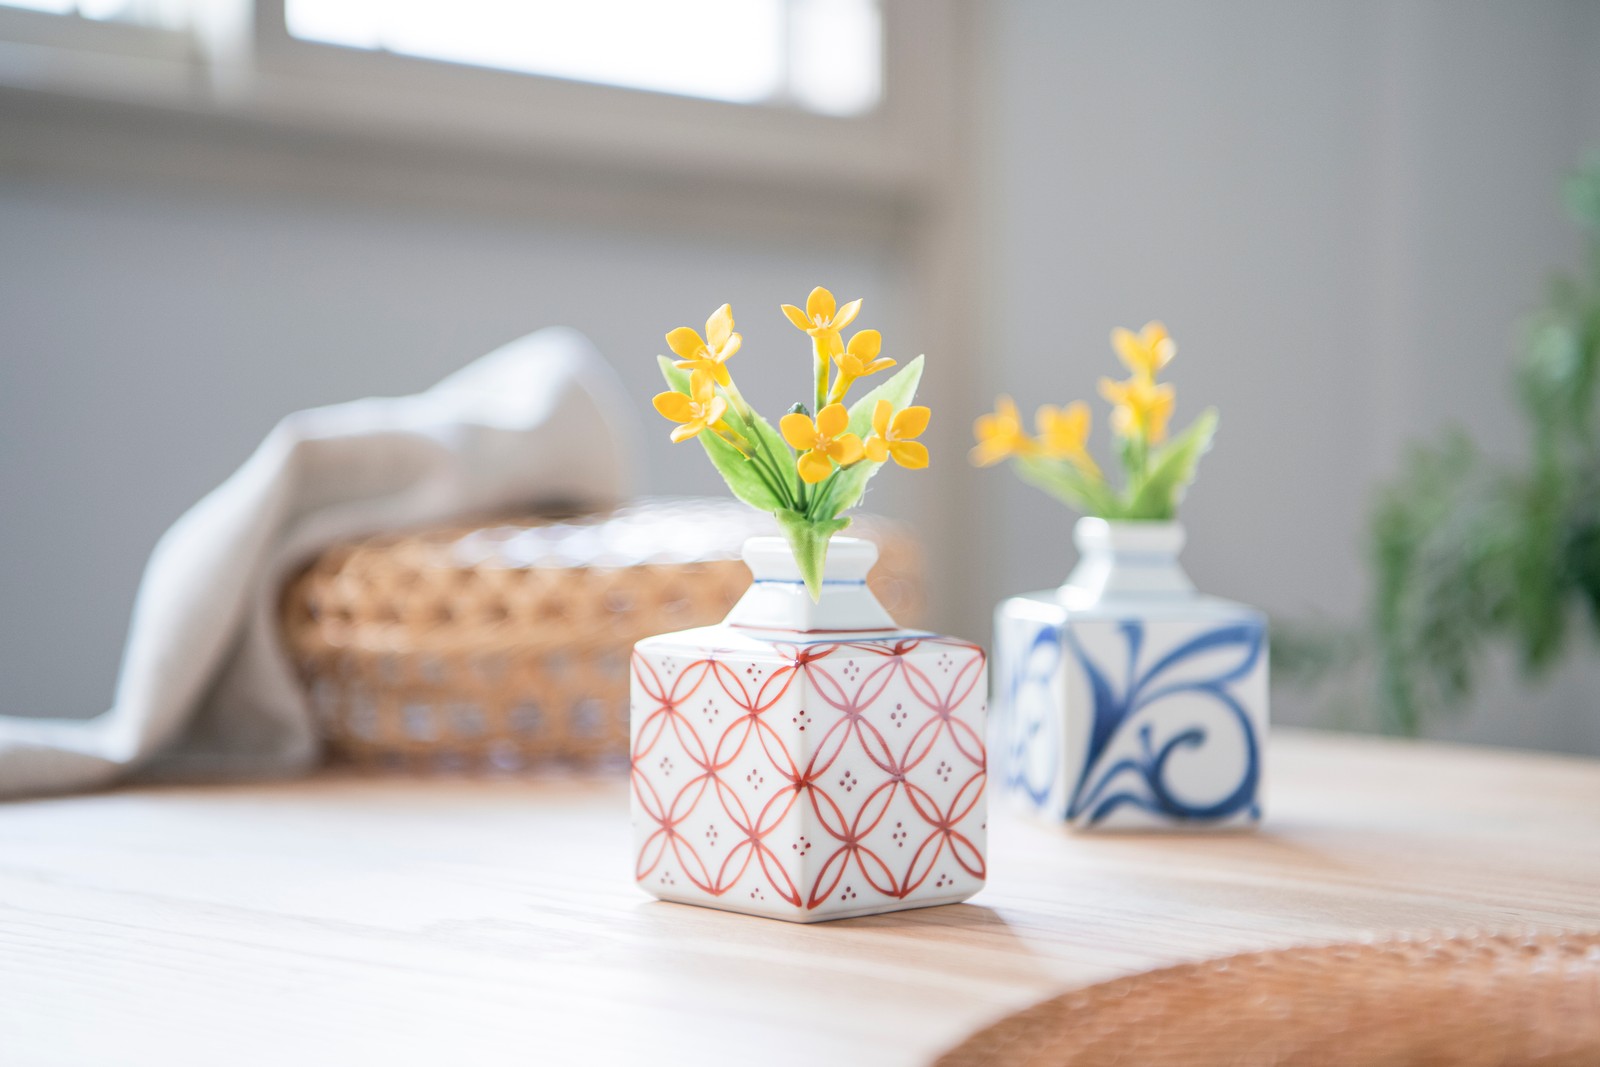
[[1172, 468], [808, 540], [1068, 484], [848, 486], [743, 476]]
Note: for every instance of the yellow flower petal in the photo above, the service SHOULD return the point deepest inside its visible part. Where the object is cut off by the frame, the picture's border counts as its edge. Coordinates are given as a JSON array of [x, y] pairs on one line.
[[718, 408], [713, 370], [833, 420], [1154, 334], [880, 418], [710, 368], [685, 343], [1126, 344], [875, 366], [813, 467], [847, 314], [674, 406], [875, 447], [1063, 432], [845, 450], [866, 345], [988, 453], [719, 327], [910, 423], [685, 432], [820, 307], [1000, 434], [1124, 422], [1146, 352], [701, 387], [912, 455], [797, 317], [798, 431]]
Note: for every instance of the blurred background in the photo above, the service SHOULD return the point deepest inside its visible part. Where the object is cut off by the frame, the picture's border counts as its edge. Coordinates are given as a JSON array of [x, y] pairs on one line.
[[213, 213]]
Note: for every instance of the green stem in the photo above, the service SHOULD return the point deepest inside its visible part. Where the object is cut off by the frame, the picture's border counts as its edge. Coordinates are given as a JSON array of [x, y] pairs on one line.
[[783, 475], [742, 443], [761, 449], [824, 500], [820, 360]]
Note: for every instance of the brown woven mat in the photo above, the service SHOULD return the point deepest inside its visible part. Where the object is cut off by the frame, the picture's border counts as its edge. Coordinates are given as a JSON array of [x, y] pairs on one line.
[[1472, 1000]]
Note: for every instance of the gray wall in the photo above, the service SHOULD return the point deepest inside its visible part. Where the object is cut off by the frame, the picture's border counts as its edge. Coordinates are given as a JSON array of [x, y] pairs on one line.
[[1340, 208], [150, 337]]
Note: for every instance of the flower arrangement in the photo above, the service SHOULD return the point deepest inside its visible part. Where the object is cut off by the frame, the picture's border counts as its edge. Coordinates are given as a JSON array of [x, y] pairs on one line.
[[1057, 460], [816, 464]]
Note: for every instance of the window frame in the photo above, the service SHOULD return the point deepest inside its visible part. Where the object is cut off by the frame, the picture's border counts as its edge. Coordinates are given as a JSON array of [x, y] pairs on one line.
[[591, 121], [74, 55], [258, 72]]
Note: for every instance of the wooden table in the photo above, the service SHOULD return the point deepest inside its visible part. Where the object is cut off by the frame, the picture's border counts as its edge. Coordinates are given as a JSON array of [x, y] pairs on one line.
[[375, 921]]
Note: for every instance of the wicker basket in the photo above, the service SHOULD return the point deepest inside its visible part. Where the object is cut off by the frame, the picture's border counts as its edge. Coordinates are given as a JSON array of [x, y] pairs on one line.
[[503, 644], [1508, 999]]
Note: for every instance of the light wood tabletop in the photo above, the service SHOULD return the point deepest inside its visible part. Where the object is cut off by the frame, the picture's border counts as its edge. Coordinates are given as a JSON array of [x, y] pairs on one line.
[[383, 920]]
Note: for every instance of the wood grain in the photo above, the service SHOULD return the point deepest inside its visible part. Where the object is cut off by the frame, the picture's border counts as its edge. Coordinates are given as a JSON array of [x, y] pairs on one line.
[[384, 920]]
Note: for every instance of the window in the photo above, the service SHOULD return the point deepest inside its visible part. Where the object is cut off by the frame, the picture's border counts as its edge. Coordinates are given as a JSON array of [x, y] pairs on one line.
[[820, 55], [828, 94]]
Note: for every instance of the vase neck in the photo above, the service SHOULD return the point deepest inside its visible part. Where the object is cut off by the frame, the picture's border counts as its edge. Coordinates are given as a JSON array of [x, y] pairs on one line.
[[778, 599], [1126, 560]]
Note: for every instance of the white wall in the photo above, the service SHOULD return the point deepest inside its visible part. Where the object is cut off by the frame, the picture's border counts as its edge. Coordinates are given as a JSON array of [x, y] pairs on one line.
[[1339, 208]]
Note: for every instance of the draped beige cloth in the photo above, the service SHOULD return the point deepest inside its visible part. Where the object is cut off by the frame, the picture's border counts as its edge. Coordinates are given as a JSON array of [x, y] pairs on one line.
[[205, 689]]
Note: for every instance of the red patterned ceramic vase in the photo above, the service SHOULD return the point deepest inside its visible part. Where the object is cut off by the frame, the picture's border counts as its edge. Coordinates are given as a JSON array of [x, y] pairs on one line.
[[808, 760]]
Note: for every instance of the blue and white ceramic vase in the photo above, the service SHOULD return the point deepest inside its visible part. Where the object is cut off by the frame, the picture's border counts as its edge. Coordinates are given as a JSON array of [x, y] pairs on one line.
[[1127, 700]]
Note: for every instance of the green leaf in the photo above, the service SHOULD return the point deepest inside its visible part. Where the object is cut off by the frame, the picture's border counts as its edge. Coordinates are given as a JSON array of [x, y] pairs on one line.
[[1172, 468], [743, 476], [808, 540], [1068, 484], [848, 485]]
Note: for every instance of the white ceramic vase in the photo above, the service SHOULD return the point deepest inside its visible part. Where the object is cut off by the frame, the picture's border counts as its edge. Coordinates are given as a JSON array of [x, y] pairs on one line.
[[1127, 700], [808, 760]]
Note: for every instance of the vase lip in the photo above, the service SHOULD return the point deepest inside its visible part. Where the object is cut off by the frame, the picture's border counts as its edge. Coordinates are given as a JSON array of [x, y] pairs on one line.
[[1093, 534], [771, 559], [779, 602]]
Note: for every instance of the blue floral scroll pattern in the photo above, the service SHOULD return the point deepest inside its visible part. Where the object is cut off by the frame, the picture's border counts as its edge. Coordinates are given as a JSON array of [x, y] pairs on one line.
[[1033, 745], [1139, 780]]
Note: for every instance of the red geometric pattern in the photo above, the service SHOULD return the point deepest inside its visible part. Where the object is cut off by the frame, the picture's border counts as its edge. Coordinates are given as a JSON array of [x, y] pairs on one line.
[[809, 780]]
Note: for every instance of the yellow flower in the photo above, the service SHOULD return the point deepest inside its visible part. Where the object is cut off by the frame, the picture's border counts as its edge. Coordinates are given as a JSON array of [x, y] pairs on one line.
[[709, 355], [856, 361], [821, 317], [821, 443], [1144, 352], [701, 410], [861, 357], [1000, 435], [1064, 434], [1142, 407], [893, 437]]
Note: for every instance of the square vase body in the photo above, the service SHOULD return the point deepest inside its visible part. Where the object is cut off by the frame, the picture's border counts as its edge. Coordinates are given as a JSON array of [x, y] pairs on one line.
[[808, 779], [1132, 715]]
